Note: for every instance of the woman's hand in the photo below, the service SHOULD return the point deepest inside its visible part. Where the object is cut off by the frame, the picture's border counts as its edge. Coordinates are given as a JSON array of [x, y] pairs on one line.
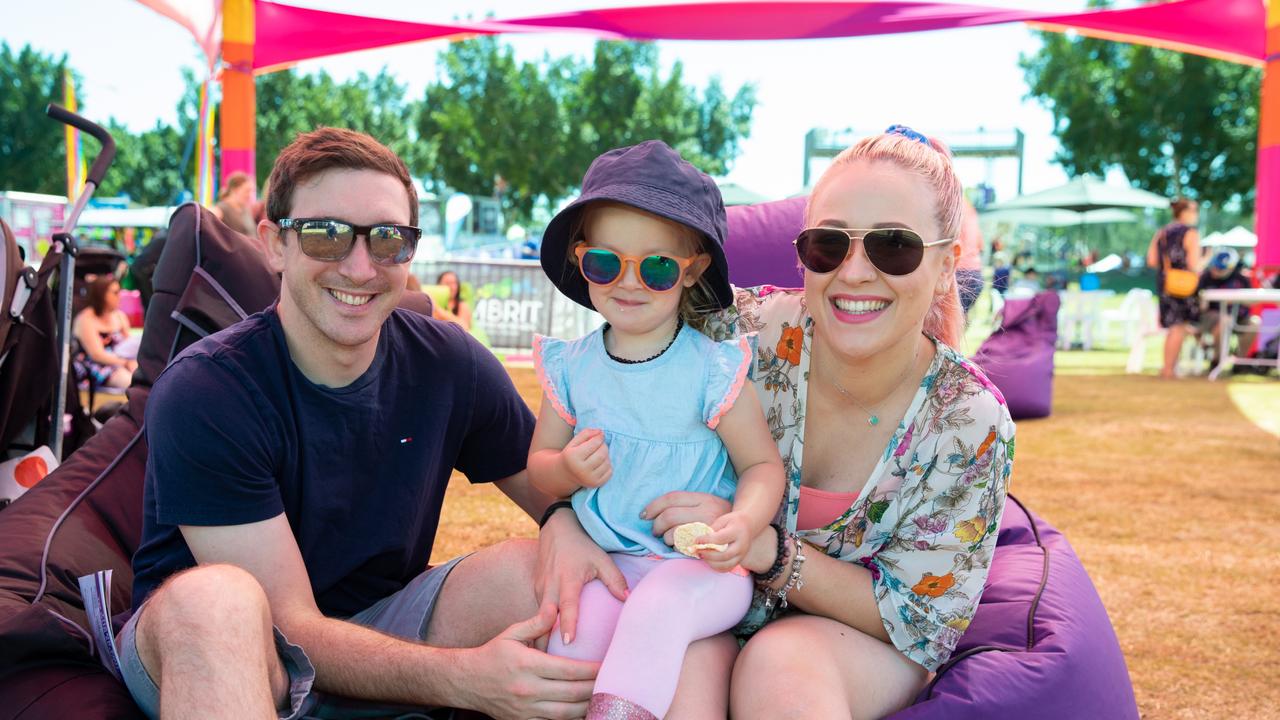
[[680, 507], [763, 552], [587, 458], [568, 559]]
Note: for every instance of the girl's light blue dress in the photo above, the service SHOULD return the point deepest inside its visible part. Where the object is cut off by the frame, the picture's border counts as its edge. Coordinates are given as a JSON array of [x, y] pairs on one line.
[[659, 419]]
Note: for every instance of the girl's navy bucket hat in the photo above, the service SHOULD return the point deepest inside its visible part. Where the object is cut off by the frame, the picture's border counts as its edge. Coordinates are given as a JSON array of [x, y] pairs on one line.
[[652, 177]]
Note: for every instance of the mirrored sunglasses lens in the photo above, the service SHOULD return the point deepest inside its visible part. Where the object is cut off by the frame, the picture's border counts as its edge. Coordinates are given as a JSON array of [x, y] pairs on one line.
[[822, 250], [894, 251], [659, 272], [601, 266], [325, 240], [389, 244]]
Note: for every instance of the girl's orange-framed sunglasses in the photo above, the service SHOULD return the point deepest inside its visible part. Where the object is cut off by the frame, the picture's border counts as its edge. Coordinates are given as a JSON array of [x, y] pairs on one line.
[[604, 267]]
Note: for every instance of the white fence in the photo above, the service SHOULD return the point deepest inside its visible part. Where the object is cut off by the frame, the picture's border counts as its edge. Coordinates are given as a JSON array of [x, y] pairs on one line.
[[513, 299]]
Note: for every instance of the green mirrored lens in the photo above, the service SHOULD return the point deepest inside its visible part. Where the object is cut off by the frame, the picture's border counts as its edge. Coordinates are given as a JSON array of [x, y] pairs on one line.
[[659, 272], [601, 266]]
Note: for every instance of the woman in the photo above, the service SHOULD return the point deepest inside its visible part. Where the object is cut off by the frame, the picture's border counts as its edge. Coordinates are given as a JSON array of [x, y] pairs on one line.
[[99, 329], [456, 309], [1177, 246], [235, 205], [897, 450]]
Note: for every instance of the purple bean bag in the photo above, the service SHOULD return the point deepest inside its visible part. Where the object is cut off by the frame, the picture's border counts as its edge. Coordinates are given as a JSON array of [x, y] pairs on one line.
[[759, 243], [1018, 357], [1041, 645]]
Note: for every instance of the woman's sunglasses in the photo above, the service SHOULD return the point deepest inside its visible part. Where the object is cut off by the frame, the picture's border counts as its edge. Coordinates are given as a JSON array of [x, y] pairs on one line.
[[894, 251], [602, 267], [331, 240]]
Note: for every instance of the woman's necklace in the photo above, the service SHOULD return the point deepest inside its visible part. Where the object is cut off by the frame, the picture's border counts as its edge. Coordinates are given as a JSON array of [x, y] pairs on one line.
[[873, 418], [625, 361]]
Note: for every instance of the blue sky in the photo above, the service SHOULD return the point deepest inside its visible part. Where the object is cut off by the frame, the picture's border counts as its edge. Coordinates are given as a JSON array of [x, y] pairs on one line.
[[942, 83]]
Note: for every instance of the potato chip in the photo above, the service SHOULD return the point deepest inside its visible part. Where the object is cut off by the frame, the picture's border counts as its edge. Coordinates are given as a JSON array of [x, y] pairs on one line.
[[686, 534]]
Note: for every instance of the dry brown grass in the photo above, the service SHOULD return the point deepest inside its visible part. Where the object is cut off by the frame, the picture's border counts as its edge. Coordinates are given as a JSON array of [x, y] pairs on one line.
[[1169, 495]]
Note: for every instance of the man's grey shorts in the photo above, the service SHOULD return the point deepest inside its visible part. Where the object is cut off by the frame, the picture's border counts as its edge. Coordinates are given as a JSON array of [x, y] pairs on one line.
[[404, 613]]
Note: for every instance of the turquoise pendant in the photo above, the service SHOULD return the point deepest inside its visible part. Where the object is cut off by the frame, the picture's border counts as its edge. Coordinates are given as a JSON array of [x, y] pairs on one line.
[[873, 420]]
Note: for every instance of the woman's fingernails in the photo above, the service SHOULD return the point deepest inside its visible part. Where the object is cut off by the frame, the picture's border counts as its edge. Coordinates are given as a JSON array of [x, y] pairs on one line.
[[644, 514], [565, 638]]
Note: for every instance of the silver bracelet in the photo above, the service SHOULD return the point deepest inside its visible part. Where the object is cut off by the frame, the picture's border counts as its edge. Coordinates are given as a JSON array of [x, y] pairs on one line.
[[794, 582]]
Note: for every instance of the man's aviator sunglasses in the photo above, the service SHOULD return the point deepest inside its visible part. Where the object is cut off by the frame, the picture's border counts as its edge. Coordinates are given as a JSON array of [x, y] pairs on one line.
[[659, 273], [893, 251], [331, 240]]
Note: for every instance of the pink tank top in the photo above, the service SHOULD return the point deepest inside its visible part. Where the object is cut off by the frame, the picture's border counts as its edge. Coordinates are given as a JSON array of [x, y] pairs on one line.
[[819, 508]]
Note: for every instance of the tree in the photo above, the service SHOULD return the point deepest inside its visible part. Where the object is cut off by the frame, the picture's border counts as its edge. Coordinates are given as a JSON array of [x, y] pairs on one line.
[[537, 125], [496, 118], [289, 103], [148, 166], [1176, 124], [32, 146]]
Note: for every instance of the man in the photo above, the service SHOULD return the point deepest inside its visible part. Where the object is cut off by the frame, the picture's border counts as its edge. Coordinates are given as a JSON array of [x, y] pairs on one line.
[[1224, 271], [297, 463]]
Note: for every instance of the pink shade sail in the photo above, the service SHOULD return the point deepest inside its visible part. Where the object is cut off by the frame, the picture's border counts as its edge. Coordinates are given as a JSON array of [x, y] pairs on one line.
[[773, 20], [201, 18], [286, 34], [1229, 29], [1225, 29]]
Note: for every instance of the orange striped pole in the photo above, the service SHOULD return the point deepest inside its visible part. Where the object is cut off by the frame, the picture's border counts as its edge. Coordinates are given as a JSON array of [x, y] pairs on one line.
[[239, 110], [1268, 198]]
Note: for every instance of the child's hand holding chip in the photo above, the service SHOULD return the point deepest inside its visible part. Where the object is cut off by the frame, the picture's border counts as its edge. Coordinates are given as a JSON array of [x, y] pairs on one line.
[[732, 531]]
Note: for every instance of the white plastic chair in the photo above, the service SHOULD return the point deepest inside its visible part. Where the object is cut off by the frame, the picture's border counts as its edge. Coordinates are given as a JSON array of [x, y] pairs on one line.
[[1146, 325], [1079, 316], [1128, 316]]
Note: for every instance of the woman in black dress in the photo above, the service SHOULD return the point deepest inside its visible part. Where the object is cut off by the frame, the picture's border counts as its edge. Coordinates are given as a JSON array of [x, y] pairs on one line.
[[1177, 244]]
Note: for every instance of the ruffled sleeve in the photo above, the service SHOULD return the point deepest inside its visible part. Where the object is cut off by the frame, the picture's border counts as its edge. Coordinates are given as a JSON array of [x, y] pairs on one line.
[[728, 367], [549, 363]]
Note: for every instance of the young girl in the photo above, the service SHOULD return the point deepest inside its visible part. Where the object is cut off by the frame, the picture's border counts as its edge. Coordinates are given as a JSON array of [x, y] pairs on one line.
[[646, 405]]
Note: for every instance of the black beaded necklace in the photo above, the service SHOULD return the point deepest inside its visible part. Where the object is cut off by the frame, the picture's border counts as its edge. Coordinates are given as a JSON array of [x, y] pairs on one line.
[[625, 361]]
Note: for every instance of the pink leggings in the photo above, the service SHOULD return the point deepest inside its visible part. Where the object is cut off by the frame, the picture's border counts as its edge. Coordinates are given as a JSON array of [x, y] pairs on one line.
[[643, 641]]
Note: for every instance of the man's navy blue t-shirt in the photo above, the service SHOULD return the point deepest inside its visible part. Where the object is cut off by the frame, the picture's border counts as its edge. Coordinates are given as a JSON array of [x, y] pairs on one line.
[[237, 434]]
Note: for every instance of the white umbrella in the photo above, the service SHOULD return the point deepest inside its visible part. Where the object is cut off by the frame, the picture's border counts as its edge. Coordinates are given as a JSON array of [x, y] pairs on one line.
[[1235, 237], [1086, 193], [1057, 217]]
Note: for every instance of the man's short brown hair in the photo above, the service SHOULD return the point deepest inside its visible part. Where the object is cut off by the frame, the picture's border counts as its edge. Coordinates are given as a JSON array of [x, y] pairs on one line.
[[327, 148]]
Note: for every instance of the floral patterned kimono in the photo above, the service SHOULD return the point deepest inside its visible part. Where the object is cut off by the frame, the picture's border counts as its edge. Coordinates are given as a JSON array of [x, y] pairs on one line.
[[925, 522]]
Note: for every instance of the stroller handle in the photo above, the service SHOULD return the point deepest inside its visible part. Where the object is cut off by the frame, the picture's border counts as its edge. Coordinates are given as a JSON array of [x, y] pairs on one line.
[[108, 152]]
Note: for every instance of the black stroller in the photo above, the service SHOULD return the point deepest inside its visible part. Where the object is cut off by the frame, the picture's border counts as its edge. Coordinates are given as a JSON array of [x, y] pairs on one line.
[[35, 336]]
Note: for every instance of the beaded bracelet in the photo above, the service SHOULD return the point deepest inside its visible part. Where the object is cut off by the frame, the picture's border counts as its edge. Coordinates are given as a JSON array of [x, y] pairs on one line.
[[796, 581], [780, 560], [778, 598]]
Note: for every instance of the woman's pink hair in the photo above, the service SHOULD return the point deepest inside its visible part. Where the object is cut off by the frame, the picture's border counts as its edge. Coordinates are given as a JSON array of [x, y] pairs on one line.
[[945, 319]]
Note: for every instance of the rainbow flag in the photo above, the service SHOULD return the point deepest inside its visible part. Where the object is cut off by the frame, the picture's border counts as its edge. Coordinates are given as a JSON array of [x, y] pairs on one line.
[[204, 149], [75, 153]]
